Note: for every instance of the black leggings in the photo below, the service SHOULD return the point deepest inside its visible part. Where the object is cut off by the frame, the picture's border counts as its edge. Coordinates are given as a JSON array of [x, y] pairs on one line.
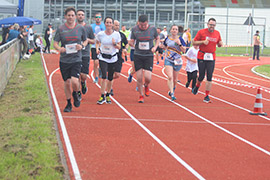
[[206, 66], [192, 76], [48, 44], [107, 68]]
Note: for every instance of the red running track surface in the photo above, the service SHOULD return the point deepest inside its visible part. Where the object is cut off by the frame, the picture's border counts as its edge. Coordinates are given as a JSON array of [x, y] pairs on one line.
[[160, 139]]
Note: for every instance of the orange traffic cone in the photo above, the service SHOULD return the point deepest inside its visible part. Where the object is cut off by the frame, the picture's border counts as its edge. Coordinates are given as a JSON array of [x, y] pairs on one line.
[[258, 106]]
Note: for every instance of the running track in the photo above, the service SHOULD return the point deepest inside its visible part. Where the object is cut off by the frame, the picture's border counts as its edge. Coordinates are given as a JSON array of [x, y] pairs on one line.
[[160, 139]]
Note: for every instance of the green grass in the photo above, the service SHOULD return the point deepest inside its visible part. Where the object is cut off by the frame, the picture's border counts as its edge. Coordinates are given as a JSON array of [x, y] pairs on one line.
[[240, 51], [263, 69], [28, 143]]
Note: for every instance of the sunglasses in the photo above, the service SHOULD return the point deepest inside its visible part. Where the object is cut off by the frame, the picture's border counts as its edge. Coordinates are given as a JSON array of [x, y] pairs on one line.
[[98, 16]]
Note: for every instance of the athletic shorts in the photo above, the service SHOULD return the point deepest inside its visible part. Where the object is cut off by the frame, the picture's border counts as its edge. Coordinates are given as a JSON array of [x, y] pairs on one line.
[[94, 54], [69, 70], [175, 67], [159, 50], [85, 64], [107, 70], [132, 54], [118, 65], [206, 66], [143, 62]]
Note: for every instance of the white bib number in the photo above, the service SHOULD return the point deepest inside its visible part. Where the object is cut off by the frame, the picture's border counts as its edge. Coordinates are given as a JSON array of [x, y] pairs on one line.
[[178, 62], [71, 48], [208, 57], [107, 49], [144, 45]]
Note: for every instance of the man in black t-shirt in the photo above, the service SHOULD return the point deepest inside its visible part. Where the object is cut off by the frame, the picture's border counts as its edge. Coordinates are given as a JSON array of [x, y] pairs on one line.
[[46, 37]]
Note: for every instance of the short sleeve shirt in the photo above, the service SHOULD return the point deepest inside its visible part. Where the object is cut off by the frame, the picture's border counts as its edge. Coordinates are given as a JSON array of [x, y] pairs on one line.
[[192, 54], [107, 46], [66, 35], [90, 35], [96, 29], [173, 51], [213, 37], [144, 40]]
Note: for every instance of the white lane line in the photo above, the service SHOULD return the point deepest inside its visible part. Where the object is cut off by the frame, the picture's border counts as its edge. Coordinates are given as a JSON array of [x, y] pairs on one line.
[[259, 74], [241, 80], [44, 64], [206, 120], [188, 167], [163, 120], [64, 132]]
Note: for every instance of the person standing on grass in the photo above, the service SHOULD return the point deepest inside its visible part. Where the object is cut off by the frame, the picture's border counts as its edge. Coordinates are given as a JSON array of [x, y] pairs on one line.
[[86, 51], [48, 37], [192, 66], [257, 43], [97, 27], [207, 39], [70, 35], [174, 45], [124, 46], [108, 43], [144, 35]]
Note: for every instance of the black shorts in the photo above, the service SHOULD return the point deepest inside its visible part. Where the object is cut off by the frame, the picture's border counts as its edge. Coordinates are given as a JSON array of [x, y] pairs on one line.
[[85, 64], [206, 66], [70, 69], [143, 62], [159, 50], [94, 54], [107, 69], [118, 65]]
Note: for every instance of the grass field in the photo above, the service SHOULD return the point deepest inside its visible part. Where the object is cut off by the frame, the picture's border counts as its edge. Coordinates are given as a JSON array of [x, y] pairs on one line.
[[29, 147], [264, 69]]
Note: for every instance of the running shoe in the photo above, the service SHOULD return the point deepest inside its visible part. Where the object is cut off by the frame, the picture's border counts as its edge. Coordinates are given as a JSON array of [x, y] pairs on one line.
[[80, 95], [173, 98], [157, 62], [101, 100], [129, 78], [207, 99], [195, 90], [137, 89], [111, 92], [147, 91], [169, 93], [68, 108], [76, 99], [96, 80], [84, 87], [141, 99], [108, 100]]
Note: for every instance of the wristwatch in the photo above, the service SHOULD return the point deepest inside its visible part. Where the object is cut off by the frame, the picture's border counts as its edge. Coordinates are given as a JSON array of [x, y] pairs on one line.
[[83, 47]]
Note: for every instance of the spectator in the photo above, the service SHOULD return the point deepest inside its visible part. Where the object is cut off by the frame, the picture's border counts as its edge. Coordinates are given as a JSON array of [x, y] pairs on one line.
[[13, 33], [39, 44], [31, 43], [48, 37], [165, 31], [5, 31], [257, 43]]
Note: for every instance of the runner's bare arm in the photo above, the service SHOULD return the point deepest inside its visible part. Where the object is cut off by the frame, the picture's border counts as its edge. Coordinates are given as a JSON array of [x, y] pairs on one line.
[[97, 46], [200, 42], [156, 44], [131, 42], [58, 48], [220, 44]]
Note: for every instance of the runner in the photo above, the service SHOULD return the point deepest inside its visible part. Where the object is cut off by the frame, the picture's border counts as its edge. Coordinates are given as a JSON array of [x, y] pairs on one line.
[[131, 55], [108, 43], [97, 27], [86, 51], [159, 51], [124, 46], [143, 55], [192, 66], [70, 35], [207, 39], [174, 45]]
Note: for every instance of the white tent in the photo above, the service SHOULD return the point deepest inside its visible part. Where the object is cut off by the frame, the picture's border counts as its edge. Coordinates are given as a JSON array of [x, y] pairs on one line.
[[7, 7]]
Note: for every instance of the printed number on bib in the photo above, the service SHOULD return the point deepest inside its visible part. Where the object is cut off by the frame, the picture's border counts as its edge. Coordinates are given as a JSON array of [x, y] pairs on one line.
[[107, 49], [144, 45], [178, 62], [208, 57], [71, 48]]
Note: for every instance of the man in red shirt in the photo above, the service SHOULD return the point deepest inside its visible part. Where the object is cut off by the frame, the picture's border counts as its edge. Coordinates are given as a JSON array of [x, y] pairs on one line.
[[207, 39]]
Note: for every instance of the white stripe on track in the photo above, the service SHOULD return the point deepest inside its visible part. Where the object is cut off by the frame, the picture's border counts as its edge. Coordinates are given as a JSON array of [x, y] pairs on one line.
[[71, 156], [188, 167], [44, 64]]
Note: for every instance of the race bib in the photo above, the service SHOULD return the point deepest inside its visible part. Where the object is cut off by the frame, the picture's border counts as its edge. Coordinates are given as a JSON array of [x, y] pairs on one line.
[[144, 45], [71, 48], [178, 62], [208, 57], [107, 49]]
